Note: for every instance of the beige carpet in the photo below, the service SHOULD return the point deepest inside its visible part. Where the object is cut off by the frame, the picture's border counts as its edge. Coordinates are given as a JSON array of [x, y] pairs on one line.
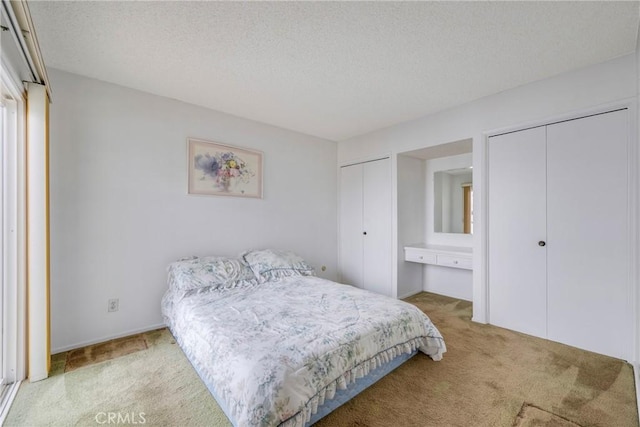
[[156, 385], [488, 377]]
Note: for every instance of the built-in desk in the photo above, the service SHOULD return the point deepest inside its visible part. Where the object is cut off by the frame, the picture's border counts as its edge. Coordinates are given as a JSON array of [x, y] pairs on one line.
[[446, 256]]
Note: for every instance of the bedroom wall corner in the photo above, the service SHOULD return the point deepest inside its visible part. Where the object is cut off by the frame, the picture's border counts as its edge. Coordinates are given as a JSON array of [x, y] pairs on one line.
[[411, 193], [636, 226], [120, 211]]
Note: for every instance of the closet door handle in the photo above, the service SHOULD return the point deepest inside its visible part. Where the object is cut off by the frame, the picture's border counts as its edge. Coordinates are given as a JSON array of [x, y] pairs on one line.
[[364, 232], [542, 243]]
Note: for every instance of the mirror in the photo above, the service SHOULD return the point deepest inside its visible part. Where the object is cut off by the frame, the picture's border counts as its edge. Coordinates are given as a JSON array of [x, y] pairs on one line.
[[453, 201]]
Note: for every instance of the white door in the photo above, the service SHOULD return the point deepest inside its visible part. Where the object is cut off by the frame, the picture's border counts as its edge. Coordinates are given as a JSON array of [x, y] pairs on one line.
[[365, 226], [351, 228], [517, 229], [588, 231], [376, 231]]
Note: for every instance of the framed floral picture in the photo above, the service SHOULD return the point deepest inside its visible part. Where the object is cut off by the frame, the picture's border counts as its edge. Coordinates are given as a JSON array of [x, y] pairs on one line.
[[224, 170]]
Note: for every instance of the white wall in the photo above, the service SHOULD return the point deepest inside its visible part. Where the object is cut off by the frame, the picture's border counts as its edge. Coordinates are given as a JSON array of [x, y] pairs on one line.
[[635, 228], [597, 85], [610, 81], [411, 224], [120, 211], [452, 282]]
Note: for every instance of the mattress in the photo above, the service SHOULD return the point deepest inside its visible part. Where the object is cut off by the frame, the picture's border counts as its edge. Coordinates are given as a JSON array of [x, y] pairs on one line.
[[272, 353]]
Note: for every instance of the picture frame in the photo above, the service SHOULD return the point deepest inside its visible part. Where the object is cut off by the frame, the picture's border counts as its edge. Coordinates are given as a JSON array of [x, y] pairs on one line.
[[223, 170]]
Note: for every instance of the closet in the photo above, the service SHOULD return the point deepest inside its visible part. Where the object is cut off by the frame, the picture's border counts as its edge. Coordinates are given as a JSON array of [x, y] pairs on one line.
[[365, 225], [559, 230]]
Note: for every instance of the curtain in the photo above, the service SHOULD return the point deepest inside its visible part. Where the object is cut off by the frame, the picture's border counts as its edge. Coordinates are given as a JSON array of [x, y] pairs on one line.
[[39, 347]]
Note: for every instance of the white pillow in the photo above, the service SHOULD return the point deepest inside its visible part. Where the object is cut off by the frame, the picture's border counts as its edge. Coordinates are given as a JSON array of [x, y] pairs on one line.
[[272, 264], [209, 272]]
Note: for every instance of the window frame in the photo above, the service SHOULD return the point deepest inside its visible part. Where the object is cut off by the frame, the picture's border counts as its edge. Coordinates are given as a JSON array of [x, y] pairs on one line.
[[13, 224]]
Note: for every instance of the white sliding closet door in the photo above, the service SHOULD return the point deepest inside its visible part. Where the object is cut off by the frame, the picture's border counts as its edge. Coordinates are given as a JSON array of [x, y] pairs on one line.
[[517, 223], [588, 232], [559, 233], [365, 225], [351, 244], [377, 226]]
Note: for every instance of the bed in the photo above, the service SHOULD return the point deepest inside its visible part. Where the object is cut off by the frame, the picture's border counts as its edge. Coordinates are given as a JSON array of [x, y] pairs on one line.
[[276, 345]]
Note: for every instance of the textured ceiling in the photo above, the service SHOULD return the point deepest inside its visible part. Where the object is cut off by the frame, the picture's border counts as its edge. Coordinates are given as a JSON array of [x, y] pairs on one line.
[[330, 69]]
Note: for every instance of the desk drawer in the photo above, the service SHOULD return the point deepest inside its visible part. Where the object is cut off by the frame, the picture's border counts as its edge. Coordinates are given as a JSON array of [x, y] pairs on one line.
[[416, 255], [455, 261]]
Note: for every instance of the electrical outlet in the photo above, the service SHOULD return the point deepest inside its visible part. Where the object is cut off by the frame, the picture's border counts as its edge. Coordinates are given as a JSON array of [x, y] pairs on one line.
[[113, 305]]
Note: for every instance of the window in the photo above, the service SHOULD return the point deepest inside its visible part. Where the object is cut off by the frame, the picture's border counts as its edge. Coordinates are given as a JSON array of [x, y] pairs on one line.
[[468, 208]]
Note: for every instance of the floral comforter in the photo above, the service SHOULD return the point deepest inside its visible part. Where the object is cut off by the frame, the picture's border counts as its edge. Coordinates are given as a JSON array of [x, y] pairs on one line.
[[271, 353]]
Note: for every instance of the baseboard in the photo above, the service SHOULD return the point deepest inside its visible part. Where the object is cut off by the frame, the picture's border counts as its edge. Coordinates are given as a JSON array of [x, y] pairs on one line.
[[409, 294], [448, 294], [107, 338], [477, 320]]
